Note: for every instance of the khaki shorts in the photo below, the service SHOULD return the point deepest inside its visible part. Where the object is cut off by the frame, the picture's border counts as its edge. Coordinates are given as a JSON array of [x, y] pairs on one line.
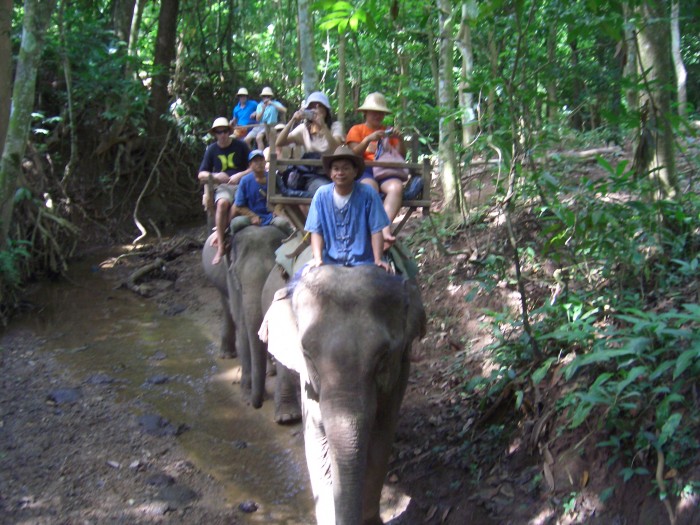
[[226, 192]]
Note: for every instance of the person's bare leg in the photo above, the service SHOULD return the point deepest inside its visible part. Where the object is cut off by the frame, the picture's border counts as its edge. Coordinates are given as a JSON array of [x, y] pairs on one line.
[[372, 183], [222, 213], [260, 139], [393, 189]]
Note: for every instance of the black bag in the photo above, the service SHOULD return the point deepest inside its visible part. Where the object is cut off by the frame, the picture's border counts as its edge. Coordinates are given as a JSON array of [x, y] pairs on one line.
[[289, 192], [294, 181]]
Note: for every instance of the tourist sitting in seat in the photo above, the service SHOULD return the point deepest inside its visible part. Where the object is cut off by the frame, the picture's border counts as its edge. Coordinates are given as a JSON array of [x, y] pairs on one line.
[[224, 161], [250, 205], [364, 140], [313, 127], [268, 112], [243, 114]]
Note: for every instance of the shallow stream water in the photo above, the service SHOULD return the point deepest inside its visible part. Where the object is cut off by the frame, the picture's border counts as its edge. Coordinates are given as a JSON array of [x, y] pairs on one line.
[[167, 363]]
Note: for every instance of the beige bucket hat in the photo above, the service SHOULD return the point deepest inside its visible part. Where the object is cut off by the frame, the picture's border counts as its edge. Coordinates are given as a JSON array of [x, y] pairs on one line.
[[374, 102], [242, 91], [267, 92], [344, 152], [221, 122]]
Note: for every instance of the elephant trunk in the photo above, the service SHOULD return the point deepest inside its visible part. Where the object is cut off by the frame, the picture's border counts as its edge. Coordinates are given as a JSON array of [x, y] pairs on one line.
[[252, 310], [348, 432]]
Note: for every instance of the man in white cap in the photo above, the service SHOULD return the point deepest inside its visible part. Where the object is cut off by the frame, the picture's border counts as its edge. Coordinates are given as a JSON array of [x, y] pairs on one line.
[[243, 113], [267, 112], [225, 160]]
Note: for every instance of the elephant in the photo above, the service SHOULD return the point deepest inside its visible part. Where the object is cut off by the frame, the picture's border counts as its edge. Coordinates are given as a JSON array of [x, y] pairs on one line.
[[240, 285], [348, 331]]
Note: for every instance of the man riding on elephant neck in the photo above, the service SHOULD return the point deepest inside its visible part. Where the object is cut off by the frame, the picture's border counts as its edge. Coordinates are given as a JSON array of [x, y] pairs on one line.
[[345, 219]]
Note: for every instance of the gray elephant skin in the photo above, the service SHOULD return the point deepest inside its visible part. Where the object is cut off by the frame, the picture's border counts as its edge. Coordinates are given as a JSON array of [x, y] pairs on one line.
[[251, 260], [354, 331]]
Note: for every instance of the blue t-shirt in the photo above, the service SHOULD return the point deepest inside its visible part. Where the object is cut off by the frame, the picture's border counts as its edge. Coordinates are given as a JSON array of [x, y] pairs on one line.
[[245, 115], [347, 233], [270, 115], [253, 196], [231, 159]]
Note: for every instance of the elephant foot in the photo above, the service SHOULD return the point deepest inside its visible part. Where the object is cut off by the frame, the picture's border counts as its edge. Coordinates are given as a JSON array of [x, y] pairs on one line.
[[224, 353], [287, 414]]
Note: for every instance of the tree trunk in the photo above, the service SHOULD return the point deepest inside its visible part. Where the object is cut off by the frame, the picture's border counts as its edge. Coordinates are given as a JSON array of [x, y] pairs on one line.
[[68, 75], [37, 14], [466, 98], [493, 64], [681, 75], [449, 174], [653, 42], [122, 13], [630, 70], [5, 67], [162, 61], [434, 67], [551, 81], [135, 27], [577, 119], [341, 78], [306, 48]]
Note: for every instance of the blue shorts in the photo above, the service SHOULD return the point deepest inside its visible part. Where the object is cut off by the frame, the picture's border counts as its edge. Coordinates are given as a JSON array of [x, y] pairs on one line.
[[369, 174]]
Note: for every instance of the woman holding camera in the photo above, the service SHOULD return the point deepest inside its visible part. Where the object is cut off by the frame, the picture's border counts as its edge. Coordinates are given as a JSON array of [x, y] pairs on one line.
[[316, 132], [364, 139]]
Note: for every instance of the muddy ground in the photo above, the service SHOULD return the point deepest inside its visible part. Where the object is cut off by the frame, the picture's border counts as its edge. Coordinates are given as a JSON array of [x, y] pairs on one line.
[[88, 460]]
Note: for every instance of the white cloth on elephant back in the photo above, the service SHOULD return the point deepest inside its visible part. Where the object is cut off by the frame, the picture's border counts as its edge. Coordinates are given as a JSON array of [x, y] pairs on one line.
[[282, 335]]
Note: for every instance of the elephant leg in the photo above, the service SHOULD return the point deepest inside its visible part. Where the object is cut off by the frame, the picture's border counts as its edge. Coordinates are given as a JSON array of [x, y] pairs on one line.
[[317, 459], [227, 349], [287, 409]]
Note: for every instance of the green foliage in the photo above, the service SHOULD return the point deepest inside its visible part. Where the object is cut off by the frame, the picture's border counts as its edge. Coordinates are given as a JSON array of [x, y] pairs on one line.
[[11, 275], [620, 324]]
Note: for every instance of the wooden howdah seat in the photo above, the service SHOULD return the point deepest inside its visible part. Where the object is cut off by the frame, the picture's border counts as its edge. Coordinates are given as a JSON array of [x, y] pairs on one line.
[[293, 207]]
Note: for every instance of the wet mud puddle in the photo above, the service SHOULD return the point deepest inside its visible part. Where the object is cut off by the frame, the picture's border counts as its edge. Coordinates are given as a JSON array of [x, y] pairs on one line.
[[168, 364]]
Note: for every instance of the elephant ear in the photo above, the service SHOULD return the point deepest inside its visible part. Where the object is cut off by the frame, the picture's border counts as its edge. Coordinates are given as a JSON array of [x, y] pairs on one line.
[[283, 340], [416, 320]]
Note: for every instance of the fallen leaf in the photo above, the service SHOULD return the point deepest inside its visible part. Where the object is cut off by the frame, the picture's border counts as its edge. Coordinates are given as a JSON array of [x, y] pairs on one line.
[[507, 490], [584, 479], [549, 476], [548, 458], [443, 518], [671, 474], [429, 515]]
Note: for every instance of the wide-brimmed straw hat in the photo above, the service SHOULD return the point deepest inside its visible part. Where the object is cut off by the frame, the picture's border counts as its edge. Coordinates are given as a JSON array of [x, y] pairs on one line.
[[242, 91], [344, 152], [374, 102], [267, 92], [221, 122]]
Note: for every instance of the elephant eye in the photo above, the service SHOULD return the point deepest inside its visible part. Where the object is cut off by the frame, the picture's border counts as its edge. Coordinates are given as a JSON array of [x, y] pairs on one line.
[[386, 373], [313, 376]]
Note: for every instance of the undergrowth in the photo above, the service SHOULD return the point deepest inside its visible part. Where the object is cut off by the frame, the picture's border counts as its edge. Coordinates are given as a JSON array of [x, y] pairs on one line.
[[616, 316]]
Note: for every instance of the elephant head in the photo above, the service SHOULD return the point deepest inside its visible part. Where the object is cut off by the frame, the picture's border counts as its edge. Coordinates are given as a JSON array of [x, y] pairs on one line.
[[354, 330]]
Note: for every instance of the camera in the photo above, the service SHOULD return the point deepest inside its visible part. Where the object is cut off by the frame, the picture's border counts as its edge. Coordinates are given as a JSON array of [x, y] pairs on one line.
[[309, 114], [388, 131]]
